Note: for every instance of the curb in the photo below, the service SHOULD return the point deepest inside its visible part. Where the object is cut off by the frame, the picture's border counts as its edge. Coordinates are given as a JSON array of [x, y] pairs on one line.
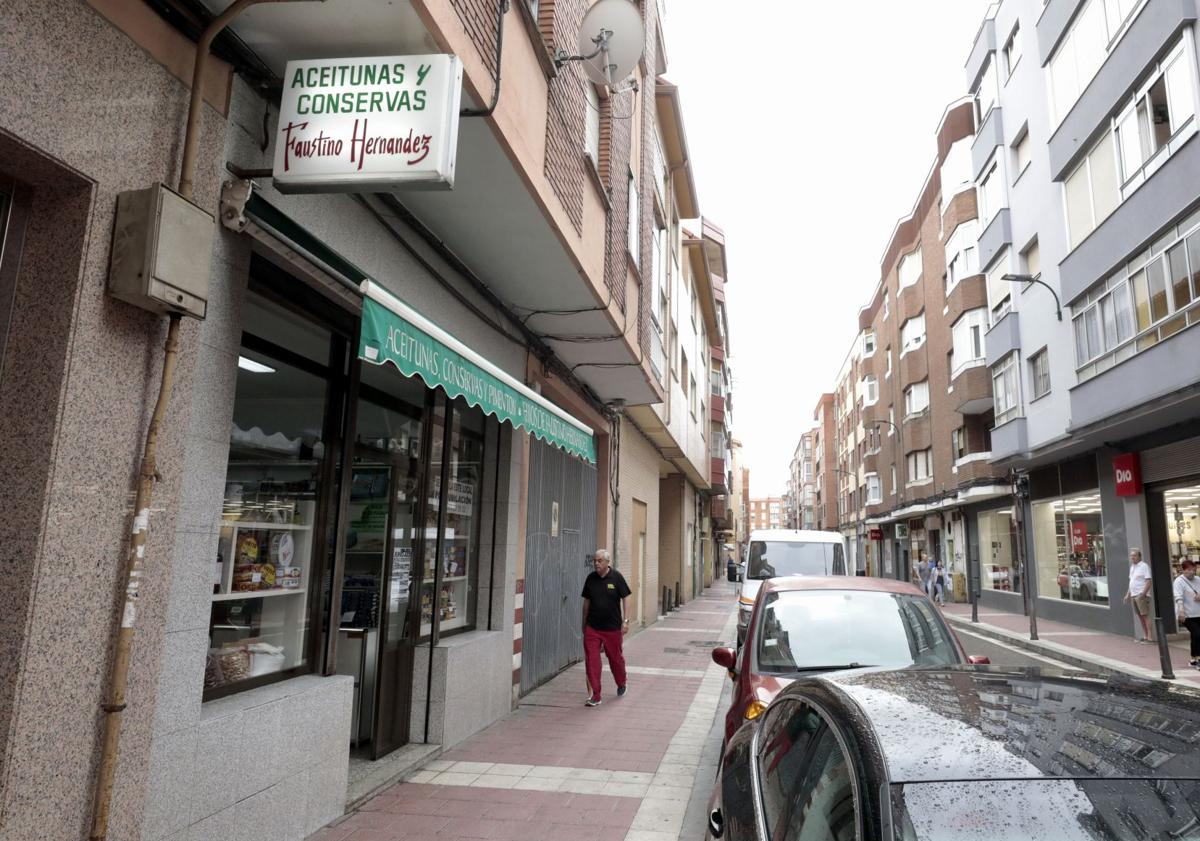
[[1057, 652]]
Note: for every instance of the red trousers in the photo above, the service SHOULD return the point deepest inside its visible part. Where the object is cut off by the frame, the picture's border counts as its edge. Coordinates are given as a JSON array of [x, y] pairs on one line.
[[611, 640]]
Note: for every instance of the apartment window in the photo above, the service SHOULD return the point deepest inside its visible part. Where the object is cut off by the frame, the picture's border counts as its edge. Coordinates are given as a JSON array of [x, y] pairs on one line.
[[916, 398], [958, 443], [1012, 49], [1091, 190], [891, 420], [869, 343], [1083, 50], [635, 221], [1039, 373], [683, 369], [870, 391], [1031, 259], [591, 127], [1022, 150], [888, 372], [912, 333], [659, 164], [962, 254], [1159, 111], [892, 487], [874, 489], [1006, 389], [658, 272], [967, 340], [692, 396], [985, 96], [885, 304], [1145, 299], [999, 291], [910, 268], [920, 467], [990, 194]]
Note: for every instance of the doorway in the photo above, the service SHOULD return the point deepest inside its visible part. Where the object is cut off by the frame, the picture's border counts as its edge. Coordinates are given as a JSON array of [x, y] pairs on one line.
[[1174, 519], [638, 567], [378, 619]]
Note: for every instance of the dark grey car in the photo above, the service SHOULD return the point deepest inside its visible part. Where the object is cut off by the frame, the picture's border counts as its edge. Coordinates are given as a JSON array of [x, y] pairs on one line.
[[965, 754]]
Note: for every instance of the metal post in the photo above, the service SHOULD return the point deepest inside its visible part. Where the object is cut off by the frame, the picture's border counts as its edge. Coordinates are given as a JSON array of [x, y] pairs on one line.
[[1164, 651], [678, 601], [974, 605], [1019, 497]]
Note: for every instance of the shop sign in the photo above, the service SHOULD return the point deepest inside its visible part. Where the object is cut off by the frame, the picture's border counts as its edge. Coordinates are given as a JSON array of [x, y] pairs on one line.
[[877, 534], [365, 125], [901, 531], [1127, 469], [393, 333], [1079, 537]]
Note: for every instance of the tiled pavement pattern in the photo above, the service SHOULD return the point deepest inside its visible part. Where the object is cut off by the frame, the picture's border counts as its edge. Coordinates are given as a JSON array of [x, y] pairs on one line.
[[1093, 650], [555, 769]]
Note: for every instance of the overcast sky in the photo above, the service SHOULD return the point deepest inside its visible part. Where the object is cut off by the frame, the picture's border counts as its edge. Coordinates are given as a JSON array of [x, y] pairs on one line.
[[811, 129]]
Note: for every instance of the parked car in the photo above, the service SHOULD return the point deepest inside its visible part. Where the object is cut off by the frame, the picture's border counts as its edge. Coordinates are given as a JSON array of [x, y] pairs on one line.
[[807, 625], [965, 753], [775, 553]]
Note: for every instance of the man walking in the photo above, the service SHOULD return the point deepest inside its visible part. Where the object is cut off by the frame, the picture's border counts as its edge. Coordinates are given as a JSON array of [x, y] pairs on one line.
[[1139, 591], [605, 621], [1187, 606]]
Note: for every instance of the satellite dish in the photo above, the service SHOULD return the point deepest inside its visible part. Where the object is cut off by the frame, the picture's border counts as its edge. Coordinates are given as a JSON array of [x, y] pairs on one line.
[[611, 40]]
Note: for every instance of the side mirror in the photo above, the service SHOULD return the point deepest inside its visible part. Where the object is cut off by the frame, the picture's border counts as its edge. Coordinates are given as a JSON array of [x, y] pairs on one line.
[[726, 658], [979, 660]]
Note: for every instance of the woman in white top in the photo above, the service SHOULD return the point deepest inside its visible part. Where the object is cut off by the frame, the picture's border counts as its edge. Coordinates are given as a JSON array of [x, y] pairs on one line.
[[1187, 606]]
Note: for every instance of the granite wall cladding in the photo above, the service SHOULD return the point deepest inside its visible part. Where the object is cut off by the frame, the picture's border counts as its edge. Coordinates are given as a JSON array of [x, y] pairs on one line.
[[80, 376]]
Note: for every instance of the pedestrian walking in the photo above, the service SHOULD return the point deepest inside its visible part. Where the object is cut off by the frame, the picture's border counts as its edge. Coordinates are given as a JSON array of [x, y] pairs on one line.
[[1187, 606], [938, 583], [923, 574], [605, 622], [1138, 593]]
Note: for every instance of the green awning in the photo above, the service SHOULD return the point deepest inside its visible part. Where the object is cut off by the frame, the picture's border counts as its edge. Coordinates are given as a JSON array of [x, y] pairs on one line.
[[392, 332]]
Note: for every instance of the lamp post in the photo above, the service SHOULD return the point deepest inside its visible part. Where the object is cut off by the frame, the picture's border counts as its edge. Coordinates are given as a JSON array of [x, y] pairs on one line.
[[1027, 278]]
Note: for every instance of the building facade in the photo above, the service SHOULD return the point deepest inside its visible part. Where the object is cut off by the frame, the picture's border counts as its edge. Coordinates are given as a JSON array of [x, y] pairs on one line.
[[1087, 149], [767, 513], [352, 548]]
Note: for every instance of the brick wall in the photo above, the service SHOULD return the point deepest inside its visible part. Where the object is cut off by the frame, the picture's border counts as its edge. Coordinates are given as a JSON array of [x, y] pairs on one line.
[[566, 109], [479, 19]]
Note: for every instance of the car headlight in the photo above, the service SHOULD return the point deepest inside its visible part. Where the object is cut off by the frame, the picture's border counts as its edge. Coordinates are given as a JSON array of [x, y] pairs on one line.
[[754, 709]]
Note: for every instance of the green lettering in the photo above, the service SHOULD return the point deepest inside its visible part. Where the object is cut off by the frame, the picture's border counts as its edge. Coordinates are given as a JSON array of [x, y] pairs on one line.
[[397, 74], [326, 76], [419, 100], [298, 78], [369, 74], [376, 100], [312, 77], [360, 102], [302, 105]]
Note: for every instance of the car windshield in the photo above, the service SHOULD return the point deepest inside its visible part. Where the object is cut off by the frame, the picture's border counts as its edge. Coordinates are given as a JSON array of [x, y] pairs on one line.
[[1065, 810], [813, 630], [774, 558]]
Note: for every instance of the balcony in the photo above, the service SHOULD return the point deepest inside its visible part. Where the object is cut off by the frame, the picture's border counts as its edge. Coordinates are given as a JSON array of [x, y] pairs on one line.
[[963, 207], [909, 301], [917, 432], [969, 294], [1003, 338], [972, 390], [989, 136], [995, 237], [981, 50], [717, 477], [976, 466], [1010, 440], [716, 404], [1149, 33], [914, 367], [718, 508]]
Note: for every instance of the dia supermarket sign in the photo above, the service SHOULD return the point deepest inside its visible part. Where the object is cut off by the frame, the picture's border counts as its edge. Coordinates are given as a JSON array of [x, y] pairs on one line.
[[358, 125]]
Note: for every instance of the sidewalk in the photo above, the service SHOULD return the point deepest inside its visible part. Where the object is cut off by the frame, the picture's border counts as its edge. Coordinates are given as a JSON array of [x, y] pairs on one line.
[[1092, 650], [555, 769]]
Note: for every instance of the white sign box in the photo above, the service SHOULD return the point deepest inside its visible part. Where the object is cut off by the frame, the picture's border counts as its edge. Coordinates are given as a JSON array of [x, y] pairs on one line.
[[366, 125]]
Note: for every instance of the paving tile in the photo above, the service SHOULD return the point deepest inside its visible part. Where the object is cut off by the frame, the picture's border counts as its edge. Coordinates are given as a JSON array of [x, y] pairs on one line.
[[454, 778], [472, 767]]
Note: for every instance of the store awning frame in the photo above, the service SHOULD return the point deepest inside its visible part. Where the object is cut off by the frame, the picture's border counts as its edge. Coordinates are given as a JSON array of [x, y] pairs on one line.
[[394, 333]]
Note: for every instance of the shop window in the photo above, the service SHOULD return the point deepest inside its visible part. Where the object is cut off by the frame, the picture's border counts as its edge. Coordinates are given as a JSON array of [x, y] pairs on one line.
[[269, 557], [998, 565], [451, 557], [1183, 526], [1068, 539]]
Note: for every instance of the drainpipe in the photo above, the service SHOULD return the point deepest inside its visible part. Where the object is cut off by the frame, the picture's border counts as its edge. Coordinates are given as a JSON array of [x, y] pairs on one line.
[[114, 705]]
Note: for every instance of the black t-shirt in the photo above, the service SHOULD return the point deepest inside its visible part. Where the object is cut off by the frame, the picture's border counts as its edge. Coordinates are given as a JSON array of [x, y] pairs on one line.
[[604, 599]]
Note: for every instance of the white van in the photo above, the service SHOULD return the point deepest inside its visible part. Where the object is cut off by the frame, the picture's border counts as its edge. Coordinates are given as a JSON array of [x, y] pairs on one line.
[[775, 553]]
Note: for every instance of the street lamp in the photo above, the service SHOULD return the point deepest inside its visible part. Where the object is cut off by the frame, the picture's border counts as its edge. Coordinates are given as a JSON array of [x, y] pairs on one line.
[[1028, 278]]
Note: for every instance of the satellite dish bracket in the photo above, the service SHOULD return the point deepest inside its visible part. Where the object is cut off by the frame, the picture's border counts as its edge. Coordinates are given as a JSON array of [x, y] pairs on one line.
[[601, 42]]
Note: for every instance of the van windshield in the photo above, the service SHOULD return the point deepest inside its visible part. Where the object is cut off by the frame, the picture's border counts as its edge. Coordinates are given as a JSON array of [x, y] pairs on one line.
[[775, 558]]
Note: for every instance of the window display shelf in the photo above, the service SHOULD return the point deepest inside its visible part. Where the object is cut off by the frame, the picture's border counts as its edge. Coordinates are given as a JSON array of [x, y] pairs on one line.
[[250, 524], [258, 594]]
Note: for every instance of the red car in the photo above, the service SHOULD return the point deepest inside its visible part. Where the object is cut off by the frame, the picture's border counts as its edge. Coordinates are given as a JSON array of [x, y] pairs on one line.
[[808, 625]]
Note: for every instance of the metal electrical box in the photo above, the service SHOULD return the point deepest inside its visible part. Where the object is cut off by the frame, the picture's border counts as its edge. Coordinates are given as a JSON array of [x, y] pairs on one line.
[[161, 248]]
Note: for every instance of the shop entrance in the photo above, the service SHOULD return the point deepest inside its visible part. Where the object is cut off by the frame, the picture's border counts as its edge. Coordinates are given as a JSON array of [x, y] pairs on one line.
[[377, 620], [1174, 519], [560, 539]]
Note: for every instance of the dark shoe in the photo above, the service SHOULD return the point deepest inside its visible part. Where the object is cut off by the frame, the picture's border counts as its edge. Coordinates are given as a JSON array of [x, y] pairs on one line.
[[592, 702], [621, 691]]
